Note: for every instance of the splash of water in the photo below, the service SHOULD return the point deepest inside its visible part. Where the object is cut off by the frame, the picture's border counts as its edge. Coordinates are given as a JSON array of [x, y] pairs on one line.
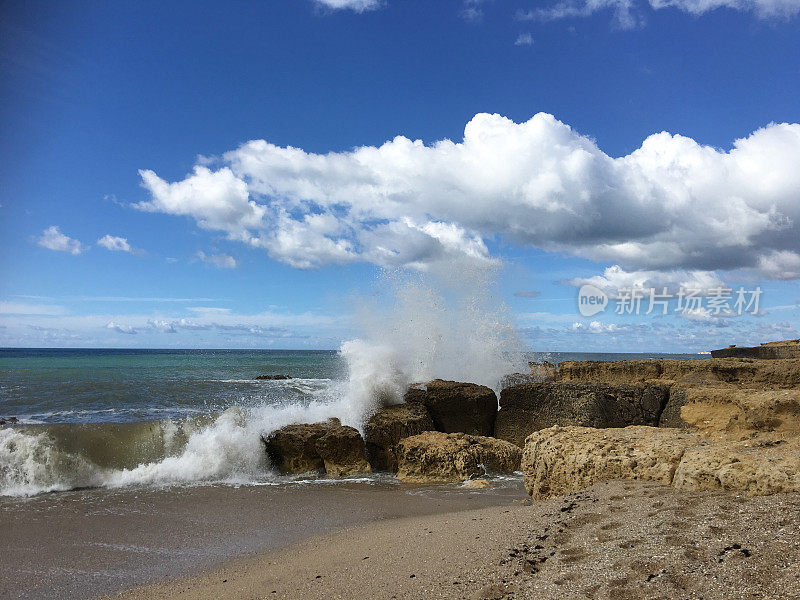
[[420, 326], [426, 326]]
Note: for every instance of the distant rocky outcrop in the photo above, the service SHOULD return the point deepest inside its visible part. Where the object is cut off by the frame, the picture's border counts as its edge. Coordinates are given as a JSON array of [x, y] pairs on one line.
[[457, 407], [388, 426], [327, 448], [272, 377], [766, 351], [436, 457], [529, 407], [749, 373]]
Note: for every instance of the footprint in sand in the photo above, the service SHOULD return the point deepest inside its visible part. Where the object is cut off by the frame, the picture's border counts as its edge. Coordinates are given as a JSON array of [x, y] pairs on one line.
[[573, 555]]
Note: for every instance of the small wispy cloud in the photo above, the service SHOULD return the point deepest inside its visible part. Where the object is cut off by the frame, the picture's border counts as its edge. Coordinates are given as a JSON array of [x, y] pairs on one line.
[[527, 294], [630, 14], [53, 239], [524, 39], [358, 6], [221, 261], [23, 308], [471, 11]]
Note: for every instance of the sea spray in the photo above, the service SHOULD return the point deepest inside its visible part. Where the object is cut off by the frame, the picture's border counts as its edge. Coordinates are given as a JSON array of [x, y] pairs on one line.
[[415, 327], [423, 326]]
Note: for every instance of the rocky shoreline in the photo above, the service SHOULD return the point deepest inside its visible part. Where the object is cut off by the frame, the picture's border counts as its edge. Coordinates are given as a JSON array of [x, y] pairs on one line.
[[704, 424], [659, 479]]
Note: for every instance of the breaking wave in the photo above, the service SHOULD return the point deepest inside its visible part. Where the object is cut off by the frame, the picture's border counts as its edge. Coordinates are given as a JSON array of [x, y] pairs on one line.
[[418, 327]]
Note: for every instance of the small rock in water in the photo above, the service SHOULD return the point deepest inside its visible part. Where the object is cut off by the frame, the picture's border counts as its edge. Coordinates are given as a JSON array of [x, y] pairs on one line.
[[272, 377], [476, 484]]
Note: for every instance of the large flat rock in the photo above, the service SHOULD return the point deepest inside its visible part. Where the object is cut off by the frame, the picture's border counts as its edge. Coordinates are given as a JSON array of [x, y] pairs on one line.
[[560, 460], [529, 407], [752, 373], [757, 468]]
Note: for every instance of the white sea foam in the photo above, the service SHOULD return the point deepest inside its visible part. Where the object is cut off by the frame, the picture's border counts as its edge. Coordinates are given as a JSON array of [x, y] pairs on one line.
[[418, 328]]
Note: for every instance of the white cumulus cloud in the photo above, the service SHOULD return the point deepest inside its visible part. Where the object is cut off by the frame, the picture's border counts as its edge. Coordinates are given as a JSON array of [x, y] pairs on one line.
[[114, 243], [672, 204], [120, 328], [53, 239], [615, 278]]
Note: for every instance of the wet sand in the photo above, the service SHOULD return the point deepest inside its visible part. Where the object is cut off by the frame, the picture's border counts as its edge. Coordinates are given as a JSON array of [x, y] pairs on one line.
[[613, 541], [83, 544]]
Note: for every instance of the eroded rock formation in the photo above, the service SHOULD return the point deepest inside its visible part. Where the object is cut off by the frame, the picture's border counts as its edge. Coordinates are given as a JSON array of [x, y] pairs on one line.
[[529, 407], [327, 448], [751, 373], [727, 424], [560, 460], [388, 426], [434, 456], [457, 407]]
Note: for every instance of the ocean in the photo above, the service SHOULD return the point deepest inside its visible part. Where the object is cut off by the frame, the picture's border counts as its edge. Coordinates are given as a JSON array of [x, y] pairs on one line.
[[113, 418]]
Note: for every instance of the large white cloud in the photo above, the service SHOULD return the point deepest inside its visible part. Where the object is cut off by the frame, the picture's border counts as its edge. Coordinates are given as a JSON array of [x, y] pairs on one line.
[[628, 13], [673, 204]]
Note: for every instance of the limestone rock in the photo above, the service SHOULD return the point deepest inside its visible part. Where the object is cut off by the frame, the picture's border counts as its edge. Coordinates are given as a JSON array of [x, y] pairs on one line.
[[671, 414], [342, 451], [560, 460], [731, 412], [316, 448], [441, 457], [751, 373], [757, 468], [476, 484], [457, 407], [390, 425], [530, 407], [766, 351]]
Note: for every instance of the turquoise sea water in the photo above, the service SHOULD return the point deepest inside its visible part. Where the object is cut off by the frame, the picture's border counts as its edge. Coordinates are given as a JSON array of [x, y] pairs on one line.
[[87, 385]]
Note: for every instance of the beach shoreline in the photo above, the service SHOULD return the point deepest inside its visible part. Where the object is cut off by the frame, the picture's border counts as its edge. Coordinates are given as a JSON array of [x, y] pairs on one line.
[[617, 539], [86, 543]]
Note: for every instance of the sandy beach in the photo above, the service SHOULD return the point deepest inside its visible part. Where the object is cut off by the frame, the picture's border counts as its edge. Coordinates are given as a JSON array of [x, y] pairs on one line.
[[614, 540], [86, 543]]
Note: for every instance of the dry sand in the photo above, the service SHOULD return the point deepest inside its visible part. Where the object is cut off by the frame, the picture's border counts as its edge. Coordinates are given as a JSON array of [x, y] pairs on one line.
[[615, 540]]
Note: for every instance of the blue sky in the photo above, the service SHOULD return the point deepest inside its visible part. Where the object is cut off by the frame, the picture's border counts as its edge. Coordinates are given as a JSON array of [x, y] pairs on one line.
[[138, 207]]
